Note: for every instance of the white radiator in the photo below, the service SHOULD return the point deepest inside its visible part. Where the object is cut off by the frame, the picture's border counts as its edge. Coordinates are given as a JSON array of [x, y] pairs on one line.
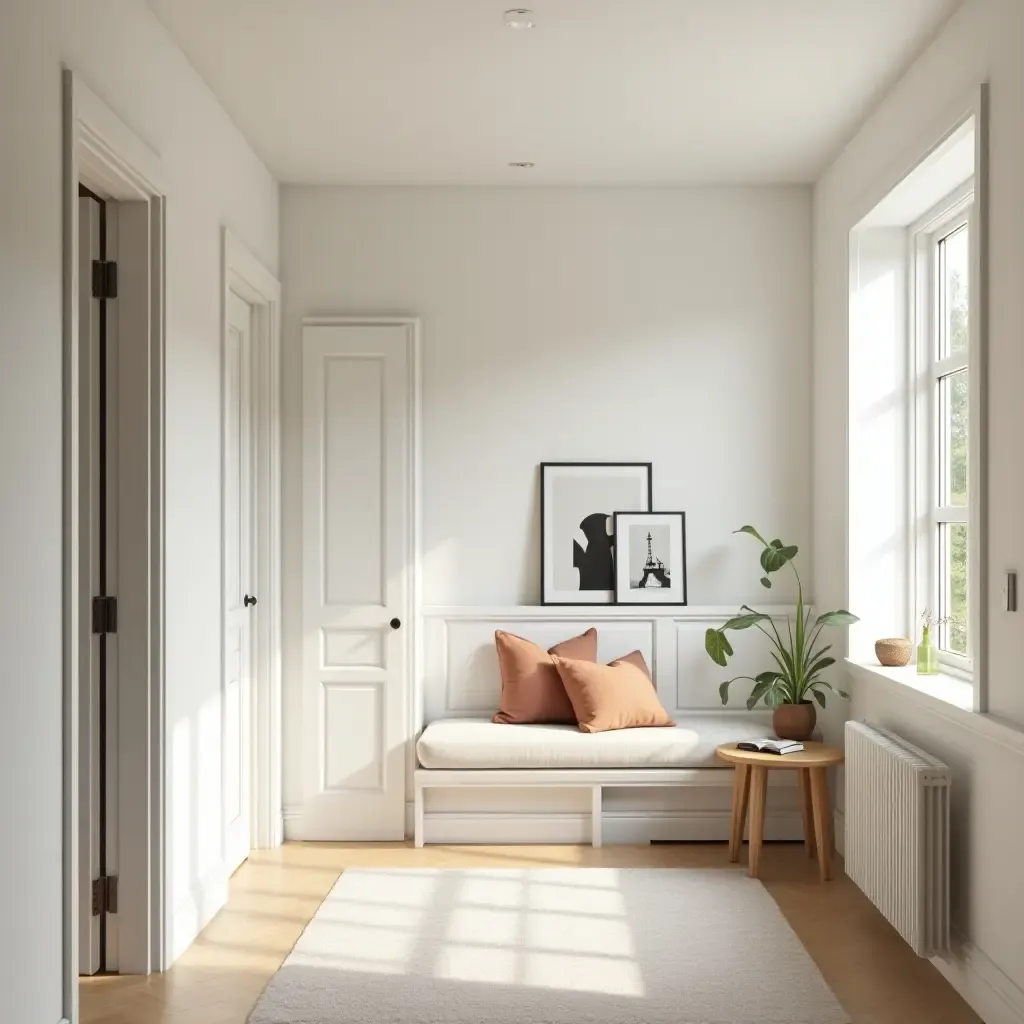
[[897, 833]]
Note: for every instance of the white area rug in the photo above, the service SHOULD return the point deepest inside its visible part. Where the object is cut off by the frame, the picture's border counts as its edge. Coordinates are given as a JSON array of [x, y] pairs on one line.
[[562, 946]]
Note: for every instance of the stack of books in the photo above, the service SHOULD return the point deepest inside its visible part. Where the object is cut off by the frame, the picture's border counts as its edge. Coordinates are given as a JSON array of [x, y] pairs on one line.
[[771, 746]]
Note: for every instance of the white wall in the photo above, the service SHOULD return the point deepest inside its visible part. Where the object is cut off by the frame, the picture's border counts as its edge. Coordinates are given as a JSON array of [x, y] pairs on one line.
[[879, 442], [641, 324], [213, 179], [981, 42]]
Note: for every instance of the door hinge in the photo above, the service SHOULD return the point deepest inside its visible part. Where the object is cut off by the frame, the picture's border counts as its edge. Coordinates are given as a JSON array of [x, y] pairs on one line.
[[104, 615], [104, 895], [104, 279]]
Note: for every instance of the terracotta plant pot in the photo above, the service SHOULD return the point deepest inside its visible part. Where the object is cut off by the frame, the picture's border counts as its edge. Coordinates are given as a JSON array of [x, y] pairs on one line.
[[794, 721]]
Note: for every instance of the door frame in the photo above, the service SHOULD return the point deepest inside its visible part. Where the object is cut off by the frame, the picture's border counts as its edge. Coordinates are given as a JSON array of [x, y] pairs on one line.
[[244, 275], [100, 151], [413, 612]]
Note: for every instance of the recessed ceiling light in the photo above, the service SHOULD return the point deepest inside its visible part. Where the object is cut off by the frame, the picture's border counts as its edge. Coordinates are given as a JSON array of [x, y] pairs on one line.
[[521, 164], [520, 18]]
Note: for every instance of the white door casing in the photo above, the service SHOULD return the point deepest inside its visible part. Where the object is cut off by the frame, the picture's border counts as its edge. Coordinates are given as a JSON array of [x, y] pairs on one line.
[[238, 505], [101, 152], [359, 577]]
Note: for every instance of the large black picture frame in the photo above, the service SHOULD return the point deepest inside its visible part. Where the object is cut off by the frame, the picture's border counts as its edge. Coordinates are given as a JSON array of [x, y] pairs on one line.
[[642, 474]]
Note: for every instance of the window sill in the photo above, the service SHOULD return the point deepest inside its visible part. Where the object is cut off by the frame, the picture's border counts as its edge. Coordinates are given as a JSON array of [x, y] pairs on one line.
[[948, 688], [934, 693]]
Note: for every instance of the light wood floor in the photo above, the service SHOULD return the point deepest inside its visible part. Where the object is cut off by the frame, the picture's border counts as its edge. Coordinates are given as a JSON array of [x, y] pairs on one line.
[[273, 896]]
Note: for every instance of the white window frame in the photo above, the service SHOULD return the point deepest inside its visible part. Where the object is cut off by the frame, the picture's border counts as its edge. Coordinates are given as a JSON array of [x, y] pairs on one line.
[[926, 373]]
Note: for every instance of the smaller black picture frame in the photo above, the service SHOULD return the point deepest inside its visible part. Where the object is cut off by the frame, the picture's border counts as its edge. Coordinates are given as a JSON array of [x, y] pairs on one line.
[[624, 594]]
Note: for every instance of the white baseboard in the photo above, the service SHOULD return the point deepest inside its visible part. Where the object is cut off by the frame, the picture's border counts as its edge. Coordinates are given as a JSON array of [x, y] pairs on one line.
[[993, 996], [318, 826], [193, 913], [275, 836], [619, 828], [276, 832]]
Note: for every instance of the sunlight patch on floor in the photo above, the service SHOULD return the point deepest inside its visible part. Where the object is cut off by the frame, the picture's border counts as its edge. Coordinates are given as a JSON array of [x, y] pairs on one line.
[[501, 927]]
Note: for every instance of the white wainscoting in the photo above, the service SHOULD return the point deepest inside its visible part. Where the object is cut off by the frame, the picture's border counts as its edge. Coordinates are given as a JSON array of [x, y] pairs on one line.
[[460, 679], [460, 664]]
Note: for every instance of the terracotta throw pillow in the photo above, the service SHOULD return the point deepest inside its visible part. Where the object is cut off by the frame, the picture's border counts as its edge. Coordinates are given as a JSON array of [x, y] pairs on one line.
[[636, 659], [531, 688], [607, 697]]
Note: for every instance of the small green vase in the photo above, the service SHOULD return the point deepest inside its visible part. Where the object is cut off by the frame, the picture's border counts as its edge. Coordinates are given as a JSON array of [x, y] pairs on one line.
[[927, 656]]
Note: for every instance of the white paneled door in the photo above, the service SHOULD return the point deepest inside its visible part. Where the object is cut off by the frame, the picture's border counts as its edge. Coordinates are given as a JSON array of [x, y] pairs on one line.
[[239, 598], [357, 579]]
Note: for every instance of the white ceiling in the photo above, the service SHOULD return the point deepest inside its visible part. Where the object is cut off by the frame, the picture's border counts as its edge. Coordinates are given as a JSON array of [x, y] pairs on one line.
[[601, 91]]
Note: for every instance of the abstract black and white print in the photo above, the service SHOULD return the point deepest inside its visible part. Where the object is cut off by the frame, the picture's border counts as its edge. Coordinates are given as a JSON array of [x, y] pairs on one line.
[[578, 503]]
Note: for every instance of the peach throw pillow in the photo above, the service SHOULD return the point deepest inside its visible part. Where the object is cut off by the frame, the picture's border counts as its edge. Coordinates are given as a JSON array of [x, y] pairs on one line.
[[531, 688], [638, 660], [615, 696]]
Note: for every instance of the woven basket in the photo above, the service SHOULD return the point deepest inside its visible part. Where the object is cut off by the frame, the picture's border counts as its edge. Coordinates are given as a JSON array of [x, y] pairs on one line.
[[894, 652]]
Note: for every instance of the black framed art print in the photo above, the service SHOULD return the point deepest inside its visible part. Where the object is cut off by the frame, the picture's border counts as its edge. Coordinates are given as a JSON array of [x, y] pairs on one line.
[[578, 501], [650, 558]]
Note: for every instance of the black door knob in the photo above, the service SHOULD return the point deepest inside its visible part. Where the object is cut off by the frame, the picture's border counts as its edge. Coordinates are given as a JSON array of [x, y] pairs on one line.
[[396, 623], [249, 600]]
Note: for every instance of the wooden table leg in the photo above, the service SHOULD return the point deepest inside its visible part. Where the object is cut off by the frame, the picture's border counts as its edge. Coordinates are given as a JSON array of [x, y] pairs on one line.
[[822, 820], [804, 776], [740, 796], [758, 794]]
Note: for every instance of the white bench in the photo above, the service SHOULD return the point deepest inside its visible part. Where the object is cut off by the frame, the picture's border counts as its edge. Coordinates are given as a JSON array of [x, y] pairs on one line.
[[464, 752]]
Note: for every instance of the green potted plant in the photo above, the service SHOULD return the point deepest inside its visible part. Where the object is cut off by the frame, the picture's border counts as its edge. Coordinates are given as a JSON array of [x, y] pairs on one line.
[[799, 658]]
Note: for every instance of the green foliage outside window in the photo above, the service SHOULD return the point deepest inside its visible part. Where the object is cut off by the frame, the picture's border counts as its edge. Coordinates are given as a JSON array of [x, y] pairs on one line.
[[959, 413]]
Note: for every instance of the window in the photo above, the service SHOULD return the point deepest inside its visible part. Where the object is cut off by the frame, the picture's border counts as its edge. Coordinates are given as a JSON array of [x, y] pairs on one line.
[[942, 247], [915, 447]]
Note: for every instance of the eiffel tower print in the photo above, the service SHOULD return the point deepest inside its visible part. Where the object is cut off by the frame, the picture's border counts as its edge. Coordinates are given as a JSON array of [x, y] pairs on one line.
[[655, 574]]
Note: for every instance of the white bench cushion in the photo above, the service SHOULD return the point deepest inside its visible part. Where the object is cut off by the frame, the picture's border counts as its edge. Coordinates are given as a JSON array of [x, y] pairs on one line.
[[467, 743]]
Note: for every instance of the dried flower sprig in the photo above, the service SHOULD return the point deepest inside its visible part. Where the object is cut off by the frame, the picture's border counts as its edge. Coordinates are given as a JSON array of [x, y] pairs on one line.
[[928, 620]]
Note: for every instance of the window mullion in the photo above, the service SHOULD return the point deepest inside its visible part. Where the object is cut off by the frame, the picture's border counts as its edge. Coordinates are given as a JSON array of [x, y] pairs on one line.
[[950, 365], [950, 514]]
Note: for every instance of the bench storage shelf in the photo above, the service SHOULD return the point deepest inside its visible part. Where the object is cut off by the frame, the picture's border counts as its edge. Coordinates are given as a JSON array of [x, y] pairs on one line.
[[593, 779]]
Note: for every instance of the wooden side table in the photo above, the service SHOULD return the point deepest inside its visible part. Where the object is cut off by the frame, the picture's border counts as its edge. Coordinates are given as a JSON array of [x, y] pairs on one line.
[[750, 785]]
